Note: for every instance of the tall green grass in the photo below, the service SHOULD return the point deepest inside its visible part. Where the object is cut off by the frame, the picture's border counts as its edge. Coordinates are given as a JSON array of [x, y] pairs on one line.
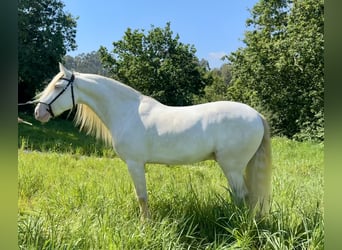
[[76, 200]]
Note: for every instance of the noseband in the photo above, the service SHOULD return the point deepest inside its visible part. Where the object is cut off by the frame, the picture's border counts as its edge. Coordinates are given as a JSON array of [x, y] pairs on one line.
[[70, 83]]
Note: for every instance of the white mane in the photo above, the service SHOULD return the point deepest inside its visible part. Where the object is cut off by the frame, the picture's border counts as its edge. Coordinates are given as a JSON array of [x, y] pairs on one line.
[[88, 121]]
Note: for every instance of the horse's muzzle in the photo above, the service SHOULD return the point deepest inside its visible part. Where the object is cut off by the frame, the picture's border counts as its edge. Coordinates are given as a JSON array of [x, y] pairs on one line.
[[41, 113]]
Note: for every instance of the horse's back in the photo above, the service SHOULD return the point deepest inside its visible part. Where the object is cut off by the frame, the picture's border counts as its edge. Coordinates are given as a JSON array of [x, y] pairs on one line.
[[211, 112], [207, 116]]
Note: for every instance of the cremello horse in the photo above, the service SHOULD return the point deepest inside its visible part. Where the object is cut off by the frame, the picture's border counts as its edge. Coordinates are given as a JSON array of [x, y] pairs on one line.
[[142, 130]]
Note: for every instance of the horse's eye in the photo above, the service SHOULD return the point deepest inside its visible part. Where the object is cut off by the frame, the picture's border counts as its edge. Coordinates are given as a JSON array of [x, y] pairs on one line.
[[59, 86]]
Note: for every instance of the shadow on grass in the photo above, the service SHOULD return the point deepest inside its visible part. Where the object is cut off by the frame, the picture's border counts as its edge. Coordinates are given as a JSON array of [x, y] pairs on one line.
[[219, 224], [59, 135]]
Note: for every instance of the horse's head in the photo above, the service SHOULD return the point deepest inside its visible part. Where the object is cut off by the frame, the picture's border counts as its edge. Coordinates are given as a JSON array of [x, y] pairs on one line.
[[57, 97]]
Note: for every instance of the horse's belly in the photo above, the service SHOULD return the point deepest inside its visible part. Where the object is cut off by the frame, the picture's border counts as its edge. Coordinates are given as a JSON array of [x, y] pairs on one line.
[[181, 151], [180, 159]]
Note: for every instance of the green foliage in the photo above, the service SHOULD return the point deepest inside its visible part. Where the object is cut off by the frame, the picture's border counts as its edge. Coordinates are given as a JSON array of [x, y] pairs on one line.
[[281, 68], [156, 64], [85, 63], [45, 33], [217, 90], [76, 201]]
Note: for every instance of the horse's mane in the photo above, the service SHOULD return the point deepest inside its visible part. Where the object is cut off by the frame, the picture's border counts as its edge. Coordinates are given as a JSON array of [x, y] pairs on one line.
[[92, 124]]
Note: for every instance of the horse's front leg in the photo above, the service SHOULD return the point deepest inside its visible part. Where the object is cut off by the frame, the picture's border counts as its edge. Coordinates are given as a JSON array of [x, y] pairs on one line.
[[137, 172]]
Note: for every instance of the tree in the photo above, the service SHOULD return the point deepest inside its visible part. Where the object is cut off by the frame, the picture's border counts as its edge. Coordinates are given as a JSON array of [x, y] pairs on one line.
[[225, 72], [217, 90], [280, 70], [45, 34], [157, 64], [86, 63]]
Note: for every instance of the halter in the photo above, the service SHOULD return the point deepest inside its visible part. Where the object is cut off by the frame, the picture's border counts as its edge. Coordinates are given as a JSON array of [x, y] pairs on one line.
[[70, 83]]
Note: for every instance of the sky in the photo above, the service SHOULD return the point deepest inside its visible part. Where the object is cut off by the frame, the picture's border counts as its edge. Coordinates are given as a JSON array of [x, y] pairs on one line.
[[215, 28]]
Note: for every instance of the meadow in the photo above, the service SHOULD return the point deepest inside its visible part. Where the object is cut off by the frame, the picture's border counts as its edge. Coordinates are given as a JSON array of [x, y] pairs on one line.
[[74, 193]]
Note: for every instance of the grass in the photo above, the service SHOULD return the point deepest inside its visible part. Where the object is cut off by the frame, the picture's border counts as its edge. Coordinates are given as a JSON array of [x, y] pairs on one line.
[[60, 136], [73, 196]]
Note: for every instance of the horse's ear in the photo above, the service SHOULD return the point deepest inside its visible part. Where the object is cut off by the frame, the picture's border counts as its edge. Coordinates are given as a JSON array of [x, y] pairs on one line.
[[64, 70]]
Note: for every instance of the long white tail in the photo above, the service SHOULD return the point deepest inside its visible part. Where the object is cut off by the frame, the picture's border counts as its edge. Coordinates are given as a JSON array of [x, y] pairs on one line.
[[258, 174]]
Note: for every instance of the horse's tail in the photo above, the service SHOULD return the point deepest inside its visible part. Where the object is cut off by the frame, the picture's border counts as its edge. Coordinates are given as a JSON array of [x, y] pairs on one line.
[[258, 174]]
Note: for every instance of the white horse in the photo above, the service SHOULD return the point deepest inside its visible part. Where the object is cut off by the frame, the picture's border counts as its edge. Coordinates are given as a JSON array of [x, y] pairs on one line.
[[142, 130]]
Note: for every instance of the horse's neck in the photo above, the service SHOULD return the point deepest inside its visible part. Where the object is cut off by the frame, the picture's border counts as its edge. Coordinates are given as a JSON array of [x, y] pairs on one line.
[[110, 100]]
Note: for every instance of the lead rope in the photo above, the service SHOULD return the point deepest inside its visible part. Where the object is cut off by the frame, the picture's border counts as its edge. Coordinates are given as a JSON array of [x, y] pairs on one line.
[[22, 120]]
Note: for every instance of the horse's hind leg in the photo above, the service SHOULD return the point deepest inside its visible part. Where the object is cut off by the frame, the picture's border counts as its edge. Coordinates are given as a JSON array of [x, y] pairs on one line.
[[234, 172]]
